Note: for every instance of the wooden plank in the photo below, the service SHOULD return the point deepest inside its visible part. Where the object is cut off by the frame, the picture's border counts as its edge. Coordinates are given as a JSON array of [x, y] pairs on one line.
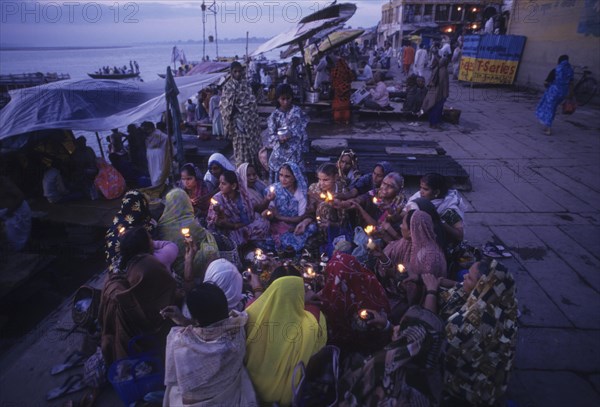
[[411, 151]]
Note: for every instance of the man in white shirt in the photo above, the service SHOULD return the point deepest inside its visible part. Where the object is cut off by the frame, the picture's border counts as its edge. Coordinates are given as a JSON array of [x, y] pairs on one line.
[[420, 60], [367, 73]]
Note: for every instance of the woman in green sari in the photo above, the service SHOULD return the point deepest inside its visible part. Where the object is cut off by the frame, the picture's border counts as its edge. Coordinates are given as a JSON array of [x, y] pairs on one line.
[[179, 214]]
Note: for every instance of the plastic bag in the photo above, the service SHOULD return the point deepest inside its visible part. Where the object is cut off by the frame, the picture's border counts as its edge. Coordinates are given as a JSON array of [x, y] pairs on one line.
[[360, 240]]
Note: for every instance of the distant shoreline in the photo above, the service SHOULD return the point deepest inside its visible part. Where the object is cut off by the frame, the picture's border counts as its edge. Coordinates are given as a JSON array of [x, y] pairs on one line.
[[25, 48]]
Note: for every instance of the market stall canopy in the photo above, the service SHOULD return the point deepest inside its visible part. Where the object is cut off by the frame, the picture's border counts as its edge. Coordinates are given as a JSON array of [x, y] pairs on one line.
[[208, 67], [343, 11], [296, 35], [337, 39], [92, 105]]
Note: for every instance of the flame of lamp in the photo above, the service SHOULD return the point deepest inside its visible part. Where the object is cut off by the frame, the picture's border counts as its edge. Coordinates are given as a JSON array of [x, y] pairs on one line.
[[329, 197], [363, 314], [272, 188], [401, 268], [369, 229], [185, 232], [375, 200]]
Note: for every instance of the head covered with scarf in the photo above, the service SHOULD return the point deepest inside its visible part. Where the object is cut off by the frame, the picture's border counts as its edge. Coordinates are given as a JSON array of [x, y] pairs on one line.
[[481, 332], [134, 211], [226, 276]]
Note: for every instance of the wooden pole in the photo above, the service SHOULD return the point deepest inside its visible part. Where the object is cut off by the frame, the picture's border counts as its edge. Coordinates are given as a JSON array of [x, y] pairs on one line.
[[100, 146]]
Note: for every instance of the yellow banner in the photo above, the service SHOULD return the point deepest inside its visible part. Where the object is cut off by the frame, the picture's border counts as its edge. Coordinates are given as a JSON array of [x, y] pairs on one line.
[[487, 70]]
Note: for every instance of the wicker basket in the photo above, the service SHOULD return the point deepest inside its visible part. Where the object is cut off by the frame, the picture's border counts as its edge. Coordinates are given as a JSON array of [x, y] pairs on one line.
[[228, 249]]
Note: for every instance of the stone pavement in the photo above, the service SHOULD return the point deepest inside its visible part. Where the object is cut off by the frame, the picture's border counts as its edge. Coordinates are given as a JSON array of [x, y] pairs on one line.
[[537, 195]]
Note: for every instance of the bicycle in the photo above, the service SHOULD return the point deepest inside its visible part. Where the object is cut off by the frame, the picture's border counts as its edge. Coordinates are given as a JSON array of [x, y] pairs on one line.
[[586, 87]]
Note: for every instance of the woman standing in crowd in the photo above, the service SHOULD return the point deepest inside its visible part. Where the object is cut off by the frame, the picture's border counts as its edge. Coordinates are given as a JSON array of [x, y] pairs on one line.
[[341, 78], [287, 132], [439, 90], [240, 116]]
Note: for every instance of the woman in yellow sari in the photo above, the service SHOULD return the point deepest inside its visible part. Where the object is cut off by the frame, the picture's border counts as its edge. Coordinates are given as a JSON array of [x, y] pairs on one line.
[[280, 333]]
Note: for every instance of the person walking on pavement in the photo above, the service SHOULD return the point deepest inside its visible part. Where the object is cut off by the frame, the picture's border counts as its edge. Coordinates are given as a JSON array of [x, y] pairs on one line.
[[559, 84]]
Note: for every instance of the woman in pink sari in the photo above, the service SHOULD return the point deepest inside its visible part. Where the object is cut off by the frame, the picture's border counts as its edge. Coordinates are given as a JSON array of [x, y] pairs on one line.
[[419, 252], [231, 212]]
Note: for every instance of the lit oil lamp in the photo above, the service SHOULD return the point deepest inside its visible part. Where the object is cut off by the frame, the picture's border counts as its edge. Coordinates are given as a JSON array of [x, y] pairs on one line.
[[375, 200], [272, 188], [121, 230], [365, 315], [214, 202], [370, 244], [401, 269], [369, 229], [269, 213], [185, 232], [309, 273]]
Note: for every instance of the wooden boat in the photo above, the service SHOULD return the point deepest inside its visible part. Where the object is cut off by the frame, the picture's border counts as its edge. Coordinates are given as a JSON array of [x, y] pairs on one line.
[[114, 75]]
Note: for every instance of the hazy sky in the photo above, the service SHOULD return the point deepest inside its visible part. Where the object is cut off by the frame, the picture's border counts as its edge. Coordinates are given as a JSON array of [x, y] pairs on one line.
[[115, 22]]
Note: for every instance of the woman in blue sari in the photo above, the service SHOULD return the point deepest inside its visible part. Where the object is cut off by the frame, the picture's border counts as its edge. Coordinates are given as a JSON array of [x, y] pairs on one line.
[[291, 224], [560, 86]]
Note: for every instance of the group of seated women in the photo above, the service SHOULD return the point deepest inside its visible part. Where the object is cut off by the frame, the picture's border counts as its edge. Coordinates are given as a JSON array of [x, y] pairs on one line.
[[385, 298]]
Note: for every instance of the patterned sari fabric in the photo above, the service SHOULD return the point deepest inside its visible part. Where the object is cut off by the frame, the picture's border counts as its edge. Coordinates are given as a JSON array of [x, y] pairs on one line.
[[255, 193], [240, 120], [290, 151], [290, 205], [238, 210], [179, 213], [555, 94], [404, 373], [280, 333], [341, 78], [481, 337], [134, 212], [350, 287]]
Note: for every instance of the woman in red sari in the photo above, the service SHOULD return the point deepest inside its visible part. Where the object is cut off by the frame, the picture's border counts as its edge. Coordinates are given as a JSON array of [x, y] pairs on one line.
[[350, 287], [341, 78]]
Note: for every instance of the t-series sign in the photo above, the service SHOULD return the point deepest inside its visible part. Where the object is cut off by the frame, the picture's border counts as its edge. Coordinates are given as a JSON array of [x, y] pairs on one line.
[[487, 70]]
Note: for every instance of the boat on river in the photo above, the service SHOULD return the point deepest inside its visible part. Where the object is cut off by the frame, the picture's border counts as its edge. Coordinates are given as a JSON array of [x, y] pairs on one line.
[[114, 75]]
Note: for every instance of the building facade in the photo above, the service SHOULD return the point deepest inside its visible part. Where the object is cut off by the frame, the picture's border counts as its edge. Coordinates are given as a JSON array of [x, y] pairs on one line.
[[554, 28], [400, 18]]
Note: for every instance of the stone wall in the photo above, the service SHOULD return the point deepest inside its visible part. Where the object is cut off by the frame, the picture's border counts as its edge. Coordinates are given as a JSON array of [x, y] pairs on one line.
[[554, 28]]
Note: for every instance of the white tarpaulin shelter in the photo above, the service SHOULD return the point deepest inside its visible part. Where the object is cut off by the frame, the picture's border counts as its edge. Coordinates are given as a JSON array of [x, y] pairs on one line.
[[92, 105]]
